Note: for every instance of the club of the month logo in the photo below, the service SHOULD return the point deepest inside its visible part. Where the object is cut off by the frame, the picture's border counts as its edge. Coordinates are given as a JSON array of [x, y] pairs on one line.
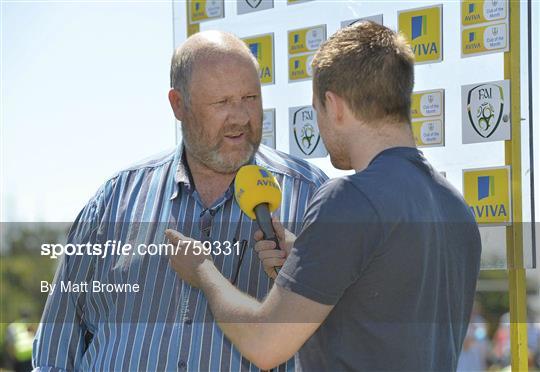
[[430, 104], [314, 38], [428, 132], [486, 116], [213, 8]]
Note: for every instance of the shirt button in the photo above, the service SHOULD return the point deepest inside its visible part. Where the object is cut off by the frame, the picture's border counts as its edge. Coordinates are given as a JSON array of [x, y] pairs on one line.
[[188, 321], [182, 364]]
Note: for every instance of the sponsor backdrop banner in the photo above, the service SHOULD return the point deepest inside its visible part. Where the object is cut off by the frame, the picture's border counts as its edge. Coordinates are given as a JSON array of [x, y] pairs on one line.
[[460, 107]]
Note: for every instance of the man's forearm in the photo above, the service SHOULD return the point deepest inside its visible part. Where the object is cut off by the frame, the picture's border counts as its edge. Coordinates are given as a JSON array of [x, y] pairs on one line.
[[238, 315], [267, 333]]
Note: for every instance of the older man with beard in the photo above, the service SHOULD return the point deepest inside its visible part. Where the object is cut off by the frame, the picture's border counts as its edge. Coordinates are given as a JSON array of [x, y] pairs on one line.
[[167, 324]]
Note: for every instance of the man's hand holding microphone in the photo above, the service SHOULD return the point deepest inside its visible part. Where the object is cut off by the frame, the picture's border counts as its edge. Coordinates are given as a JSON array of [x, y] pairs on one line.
[[258, 194], [270, 255]]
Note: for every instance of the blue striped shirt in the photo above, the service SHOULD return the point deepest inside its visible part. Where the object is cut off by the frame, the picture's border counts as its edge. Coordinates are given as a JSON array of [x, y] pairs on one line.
[[167, 325]]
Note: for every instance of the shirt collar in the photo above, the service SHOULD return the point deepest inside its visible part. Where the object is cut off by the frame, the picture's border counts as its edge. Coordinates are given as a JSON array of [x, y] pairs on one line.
[[183, 176]]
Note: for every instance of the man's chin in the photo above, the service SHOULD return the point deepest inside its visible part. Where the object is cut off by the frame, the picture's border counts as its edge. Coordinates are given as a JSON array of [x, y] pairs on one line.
[[340, 163], [230, 164]]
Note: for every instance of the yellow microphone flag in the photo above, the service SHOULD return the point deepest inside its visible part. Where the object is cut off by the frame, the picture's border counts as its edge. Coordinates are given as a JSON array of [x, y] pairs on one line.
[[255, 185]]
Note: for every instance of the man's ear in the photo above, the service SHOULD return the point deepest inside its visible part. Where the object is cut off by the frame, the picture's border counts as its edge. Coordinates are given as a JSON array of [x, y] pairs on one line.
[[177, 104], [335, 106]]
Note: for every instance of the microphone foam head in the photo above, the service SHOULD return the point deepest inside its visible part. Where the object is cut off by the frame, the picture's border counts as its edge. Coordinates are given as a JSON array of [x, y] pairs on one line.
[[255, 185]]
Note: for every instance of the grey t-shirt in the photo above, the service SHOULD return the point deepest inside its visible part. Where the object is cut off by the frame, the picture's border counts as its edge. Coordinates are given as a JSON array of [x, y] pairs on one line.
[[396, 250]]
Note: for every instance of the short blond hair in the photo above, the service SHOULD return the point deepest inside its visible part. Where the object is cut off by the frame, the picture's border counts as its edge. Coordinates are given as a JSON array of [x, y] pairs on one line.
[[369, 66]]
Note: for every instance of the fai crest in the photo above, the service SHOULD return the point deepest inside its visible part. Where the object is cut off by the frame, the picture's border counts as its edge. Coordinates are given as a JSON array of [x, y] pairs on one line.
[[486, 112], [485, 107], [305, 130], [253, 3], [250, 6]]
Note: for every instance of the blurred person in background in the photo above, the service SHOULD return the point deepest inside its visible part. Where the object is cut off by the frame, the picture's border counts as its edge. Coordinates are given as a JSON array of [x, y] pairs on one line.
[[19, 338], [476, 346], [502, 351]]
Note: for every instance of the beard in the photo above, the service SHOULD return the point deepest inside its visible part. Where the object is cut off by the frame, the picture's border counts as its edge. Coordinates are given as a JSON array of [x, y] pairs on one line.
[[211, 153]]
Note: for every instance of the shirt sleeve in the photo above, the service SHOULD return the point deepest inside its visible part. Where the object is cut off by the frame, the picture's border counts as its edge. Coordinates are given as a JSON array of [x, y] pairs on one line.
[[60, 339], [341, 231]]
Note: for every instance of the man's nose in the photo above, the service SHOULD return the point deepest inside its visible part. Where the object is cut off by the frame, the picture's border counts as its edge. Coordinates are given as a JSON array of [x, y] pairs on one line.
[[239, 113]]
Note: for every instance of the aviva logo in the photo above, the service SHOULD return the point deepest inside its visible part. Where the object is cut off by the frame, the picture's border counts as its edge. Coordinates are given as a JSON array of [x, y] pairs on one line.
[[255, 50], [422, 26], [262, 48], [486, 187], [487, 192], [418, 26], [470, 12]]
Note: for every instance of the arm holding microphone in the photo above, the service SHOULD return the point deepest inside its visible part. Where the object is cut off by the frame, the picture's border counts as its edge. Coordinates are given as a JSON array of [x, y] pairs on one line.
[[267, 333]]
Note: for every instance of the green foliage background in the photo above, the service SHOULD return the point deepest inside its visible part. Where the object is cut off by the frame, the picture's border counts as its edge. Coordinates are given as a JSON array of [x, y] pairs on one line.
[[22, 268]]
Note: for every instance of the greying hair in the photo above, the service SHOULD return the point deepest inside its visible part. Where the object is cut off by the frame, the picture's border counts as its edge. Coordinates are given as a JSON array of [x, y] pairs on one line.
[[181, 71], [208, 44]]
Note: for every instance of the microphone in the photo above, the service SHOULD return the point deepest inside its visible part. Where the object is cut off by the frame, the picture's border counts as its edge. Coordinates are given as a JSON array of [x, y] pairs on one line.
[[257, 192]]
